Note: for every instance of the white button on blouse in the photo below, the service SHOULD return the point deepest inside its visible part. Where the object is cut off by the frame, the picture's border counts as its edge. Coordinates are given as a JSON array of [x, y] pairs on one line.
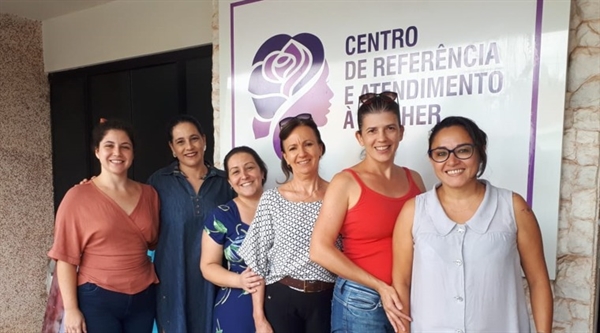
[[467, 277]]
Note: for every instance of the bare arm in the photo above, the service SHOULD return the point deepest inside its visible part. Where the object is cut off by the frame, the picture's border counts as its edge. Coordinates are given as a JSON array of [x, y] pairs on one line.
[[324, 252], [258, 302], [327, 228], [403, 256], [213, 271], [531, 251], [67, 282]]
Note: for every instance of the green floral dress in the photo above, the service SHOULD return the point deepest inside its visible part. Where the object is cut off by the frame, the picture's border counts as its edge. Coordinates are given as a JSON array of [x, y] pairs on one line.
[[233, 306]]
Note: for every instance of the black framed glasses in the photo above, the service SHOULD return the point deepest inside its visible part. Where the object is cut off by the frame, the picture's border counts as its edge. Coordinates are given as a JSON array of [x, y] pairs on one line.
[[302, 116], [368, 98], [462, 152]]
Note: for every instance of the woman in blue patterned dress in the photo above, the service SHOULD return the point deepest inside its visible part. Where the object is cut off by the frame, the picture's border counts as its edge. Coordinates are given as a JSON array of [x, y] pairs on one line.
[[225, 229]]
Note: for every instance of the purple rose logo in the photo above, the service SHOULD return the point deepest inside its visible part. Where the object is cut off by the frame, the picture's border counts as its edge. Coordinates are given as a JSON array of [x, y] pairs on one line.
[[289, 77], [286, 68]]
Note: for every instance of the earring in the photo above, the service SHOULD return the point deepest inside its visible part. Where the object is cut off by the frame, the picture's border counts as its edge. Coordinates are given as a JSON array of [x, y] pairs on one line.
[[174, 155], [204, 148]]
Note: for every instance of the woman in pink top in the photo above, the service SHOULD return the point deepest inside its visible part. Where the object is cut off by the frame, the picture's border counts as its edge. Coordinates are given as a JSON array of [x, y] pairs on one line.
[[102, 233], [362, 204]]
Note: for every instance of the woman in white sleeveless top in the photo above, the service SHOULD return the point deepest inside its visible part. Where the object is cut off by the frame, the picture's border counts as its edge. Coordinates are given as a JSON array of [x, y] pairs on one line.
[[460, 247]]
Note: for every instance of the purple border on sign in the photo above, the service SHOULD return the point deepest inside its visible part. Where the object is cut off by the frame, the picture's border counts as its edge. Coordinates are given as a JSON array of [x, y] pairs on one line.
[[231, 38], [534, 89], [534, 99]]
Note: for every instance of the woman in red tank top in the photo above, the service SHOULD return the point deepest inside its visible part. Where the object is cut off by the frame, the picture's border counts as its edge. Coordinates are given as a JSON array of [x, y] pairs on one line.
[[362, 204]]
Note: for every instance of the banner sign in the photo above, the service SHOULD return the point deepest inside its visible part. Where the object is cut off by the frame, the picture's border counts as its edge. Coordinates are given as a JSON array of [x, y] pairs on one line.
[[500, 63]]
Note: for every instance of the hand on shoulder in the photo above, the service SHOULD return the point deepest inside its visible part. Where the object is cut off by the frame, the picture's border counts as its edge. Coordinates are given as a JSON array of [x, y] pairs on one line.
[[85, 181]]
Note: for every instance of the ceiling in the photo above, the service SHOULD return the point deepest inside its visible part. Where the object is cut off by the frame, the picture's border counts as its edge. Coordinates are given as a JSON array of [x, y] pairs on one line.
[[45, 9]]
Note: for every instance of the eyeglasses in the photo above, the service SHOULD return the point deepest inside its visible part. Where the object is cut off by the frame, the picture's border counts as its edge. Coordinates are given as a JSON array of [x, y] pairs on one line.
[[368, 98], [462, 152], [303, 116]]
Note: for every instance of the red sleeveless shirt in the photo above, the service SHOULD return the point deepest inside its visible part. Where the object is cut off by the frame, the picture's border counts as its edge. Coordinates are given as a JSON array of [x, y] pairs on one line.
[[369, 225]]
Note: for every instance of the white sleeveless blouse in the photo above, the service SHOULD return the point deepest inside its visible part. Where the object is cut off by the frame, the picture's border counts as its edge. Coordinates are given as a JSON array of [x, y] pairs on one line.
[[467, 277]]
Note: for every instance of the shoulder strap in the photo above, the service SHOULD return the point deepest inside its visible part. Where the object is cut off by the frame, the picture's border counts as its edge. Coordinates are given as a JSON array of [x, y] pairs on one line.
[[411, 182], [356, 177]]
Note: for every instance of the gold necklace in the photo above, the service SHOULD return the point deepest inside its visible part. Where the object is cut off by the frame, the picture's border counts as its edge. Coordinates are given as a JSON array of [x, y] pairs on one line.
[[309, 195]]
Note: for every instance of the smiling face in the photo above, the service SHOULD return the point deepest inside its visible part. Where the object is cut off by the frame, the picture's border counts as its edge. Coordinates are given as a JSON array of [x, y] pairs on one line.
[[115, 152], [380, 135], [302, 151], [188, 145], [454, 172], [244, 175]]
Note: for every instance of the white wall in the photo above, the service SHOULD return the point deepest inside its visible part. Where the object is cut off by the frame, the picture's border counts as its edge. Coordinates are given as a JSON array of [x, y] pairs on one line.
[[125, 29]]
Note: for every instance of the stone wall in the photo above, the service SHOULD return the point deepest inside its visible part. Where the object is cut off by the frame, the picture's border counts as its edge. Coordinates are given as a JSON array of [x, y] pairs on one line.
[[26, 203], [575, 288]]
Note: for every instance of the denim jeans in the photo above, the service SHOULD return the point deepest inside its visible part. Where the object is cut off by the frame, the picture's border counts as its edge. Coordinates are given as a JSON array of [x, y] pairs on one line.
[[357, 309], [108, 311]]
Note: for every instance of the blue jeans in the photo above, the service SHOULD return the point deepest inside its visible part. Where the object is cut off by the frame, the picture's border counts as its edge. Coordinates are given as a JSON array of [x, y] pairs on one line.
[[108, 311], [357, 309]]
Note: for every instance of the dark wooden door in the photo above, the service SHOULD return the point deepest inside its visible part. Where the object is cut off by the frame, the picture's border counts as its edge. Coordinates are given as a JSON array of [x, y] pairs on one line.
[[146, 92], [70, 143], [155, 93], [110, 98]]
